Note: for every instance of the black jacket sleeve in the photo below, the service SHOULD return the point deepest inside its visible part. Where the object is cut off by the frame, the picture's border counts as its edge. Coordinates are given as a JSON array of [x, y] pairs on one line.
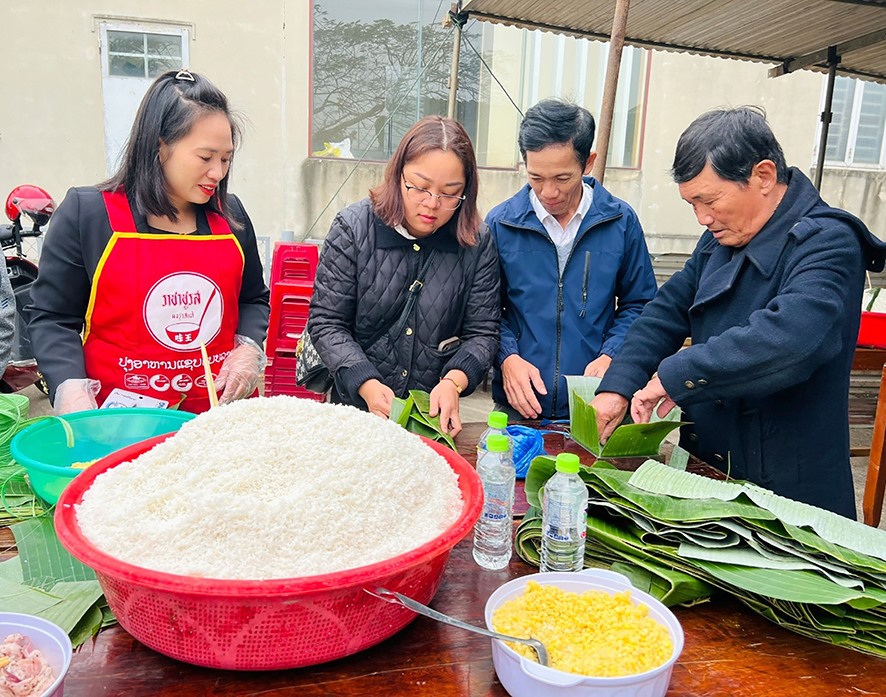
[[60, 294], [334, 309], [254, 303]]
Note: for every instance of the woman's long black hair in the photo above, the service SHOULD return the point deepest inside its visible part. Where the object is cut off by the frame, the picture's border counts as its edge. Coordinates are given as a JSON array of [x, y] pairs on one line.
[[167, 113]]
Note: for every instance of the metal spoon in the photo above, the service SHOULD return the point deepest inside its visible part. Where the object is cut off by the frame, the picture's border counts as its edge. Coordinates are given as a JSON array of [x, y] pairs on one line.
[[409, 603]]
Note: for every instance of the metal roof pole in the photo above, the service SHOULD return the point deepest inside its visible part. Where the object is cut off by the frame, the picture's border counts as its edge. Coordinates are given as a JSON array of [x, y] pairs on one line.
[[457, 17], [826, 114], [616, 44]]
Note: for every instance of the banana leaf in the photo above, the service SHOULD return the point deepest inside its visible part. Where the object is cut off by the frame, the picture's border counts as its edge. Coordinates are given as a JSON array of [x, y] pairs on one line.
[[527, 538], [673, 509], [628, 440], [11, 570], [670, 586], [44, 561], [654, 478], [679, 458], [17, 500], [400, 411], [540, 470], [794, 586], [78, 600], [45, 580], [663, 580], [749, 557], [846, 556], [421, 399], [412, 414], [75, 606], [13, 418]]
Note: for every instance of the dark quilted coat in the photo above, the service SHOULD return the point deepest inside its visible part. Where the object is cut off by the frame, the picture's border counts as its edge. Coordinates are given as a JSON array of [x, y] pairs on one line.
[[361, 288]]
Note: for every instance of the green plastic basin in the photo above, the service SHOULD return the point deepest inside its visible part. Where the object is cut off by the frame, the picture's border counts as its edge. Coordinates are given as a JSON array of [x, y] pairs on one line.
[[43, 451]]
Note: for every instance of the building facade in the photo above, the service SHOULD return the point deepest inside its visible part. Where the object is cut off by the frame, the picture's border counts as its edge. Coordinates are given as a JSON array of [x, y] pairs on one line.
[[325, 89]]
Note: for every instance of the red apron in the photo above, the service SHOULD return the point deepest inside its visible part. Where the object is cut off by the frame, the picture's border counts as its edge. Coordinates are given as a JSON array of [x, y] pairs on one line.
[[154, 299]]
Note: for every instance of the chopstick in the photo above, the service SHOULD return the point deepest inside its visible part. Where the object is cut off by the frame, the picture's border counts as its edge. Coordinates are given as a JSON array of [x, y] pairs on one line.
[[210, 383]]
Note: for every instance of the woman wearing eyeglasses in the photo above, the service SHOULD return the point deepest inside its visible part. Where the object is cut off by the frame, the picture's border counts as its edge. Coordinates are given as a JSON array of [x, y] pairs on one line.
[[407, 289]]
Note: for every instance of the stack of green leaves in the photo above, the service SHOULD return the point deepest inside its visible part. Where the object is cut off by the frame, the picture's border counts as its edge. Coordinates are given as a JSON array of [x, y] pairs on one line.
[[45, 580], [17, 499], [413, 414], [677, 535]]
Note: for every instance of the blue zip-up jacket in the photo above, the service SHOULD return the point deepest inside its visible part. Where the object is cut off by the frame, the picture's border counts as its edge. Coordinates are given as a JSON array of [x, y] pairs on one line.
[[562, 324]]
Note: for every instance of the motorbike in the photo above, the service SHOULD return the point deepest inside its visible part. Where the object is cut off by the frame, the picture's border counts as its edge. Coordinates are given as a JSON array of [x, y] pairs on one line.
[[34, 203]]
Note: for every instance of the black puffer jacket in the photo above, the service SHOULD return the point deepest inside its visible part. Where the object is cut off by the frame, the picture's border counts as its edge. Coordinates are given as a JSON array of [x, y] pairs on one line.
[[361, 288]]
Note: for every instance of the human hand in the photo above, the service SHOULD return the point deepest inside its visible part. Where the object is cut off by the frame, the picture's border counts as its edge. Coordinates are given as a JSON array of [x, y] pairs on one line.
[[444, 401], [611, 409], [644, 401], [520, 377], [239, 373], [378, 397], [76, 394], [598, 366]]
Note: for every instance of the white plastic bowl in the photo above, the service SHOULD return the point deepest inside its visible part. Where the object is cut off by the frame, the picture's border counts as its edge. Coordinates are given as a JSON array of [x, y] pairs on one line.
[[51, 639], [522, 677]]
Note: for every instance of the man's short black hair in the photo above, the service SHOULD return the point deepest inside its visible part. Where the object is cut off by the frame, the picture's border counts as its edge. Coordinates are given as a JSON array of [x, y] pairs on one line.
[[733, 141], [554, 122]]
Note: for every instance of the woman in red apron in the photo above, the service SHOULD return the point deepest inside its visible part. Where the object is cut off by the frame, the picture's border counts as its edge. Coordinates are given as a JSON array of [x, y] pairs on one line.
[[137, 273]]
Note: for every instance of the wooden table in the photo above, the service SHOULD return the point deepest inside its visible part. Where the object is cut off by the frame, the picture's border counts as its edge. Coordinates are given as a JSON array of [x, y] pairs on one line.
[[729, 651]]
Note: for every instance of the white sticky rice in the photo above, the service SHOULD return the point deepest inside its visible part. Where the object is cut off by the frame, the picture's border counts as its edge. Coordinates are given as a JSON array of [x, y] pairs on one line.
[[274, 487]]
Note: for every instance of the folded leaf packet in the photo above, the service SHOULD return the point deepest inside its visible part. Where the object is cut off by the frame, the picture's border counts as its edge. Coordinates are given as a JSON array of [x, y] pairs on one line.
[[412, 414], [629, 439]]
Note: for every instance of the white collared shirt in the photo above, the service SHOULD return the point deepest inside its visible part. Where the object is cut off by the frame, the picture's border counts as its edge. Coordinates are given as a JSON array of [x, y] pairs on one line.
[[563, 238], [402, 230]]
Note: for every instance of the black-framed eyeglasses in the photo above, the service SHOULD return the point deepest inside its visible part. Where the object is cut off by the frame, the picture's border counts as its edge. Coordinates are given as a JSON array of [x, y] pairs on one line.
[[418, 195]]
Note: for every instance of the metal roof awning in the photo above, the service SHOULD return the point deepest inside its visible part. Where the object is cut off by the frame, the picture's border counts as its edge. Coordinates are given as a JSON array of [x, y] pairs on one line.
[[793, 34]]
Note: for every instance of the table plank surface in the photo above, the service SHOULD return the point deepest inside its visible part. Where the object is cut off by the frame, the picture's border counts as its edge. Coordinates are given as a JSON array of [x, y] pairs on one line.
[[729, 651]]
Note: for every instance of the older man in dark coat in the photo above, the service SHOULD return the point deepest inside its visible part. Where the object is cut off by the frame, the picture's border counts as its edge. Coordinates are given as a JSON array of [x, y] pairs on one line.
[[771, 300]]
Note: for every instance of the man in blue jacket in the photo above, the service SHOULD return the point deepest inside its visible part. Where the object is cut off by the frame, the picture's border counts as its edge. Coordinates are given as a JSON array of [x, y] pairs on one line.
[[771, 298], [574, 263]]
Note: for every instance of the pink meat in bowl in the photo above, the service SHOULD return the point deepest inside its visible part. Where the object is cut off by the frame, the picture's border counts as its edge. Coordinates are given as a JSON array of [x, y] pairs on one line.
[[38, 644]]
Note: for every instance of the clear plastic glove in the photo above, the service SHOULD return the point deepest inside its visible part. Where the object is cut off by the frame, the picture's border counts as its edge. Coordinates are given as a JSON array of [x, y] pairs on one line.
[[240, 371], [76, 394]]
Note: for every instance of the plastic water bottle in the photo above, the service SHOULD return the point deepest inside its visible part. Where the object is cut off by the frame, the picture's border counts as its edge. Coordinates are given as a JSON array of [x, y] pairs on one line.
[[497, 422], [493, 541], [564, 517]]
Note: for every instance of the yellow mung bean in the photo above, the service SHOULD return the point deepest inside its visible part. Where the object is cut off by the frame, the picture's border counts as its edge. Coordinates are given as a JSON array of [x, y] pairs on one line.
[[591, 633]]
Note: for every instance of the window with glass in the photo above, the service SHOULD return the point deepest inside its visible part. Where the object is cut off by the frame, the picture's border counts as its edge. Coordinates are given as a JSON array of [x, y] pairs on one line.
[[378, 68], [141, 54], [855, 136]]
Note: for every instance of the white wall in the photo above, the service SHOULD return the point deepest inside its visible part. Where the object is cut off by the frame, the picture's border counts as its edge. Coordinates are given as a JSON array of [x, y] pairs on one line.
[[51, 123]]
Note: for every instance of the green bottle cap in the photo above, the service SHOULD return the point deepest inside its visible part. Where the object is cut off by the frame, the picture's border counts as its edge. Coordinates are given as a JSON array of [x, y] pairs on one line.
[[497, 419], [567, 462], [497, 443]]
